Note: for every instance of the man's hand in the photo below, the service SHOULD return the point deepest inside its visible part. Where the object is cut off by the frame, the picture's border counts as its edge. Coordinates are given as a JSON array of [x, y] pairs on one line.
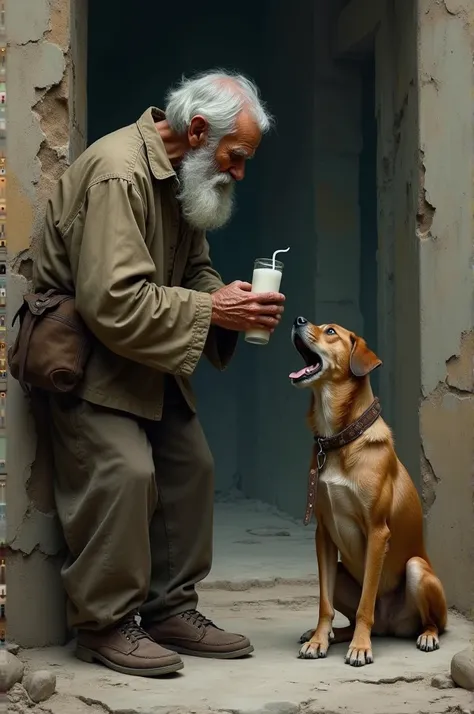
[[236, 307]]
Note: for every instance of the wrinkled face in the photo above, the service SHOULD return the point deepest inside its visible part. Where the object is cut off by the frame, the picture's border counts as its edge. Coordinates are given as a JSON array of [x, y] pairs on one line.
[[209, 170], [330, 353]]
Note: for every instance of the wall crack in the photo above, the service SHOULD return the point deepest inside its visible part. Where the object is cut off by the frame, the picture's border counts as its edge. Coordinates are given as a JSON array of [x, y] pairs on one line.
[[426, 211], [429, 481]]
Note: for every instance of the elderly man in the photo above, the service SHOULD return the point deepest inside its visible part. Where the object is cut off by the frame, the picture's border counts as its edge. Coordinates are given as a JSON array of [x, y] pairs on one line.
[[125, 232]]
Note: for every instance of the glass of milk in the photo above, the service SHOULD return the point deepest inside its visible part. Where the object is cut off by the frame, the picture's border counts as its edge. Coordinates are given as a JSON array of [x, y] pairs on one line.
[[266, 279]]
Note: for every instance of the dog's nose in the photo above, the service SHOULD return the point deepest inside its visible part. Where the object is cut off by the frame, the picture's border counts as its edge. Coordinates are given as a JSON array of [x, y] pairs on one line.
[[300, 321]]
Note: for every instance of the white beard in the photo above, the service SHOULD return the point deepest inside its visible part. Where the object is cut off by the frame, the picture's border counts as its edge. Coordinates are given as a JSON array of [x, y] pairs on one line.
[[206, 194]]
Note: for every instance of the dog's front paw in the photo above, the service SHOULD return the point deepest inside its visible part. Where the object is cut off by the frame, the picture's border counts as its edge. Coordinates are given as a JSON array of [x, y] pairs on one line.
[[359, 652], [316, 647]]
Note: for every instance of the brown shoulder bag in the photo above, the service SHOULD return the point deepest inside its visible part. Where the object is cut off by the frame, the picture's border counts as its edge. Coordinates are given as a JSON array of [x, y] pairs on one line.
[[53, 344]]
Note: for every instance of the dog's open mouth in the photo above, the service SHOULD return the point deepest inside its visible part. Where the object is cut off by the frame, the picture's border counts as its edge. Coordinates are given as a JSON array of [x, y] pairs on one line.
[[313, 361]]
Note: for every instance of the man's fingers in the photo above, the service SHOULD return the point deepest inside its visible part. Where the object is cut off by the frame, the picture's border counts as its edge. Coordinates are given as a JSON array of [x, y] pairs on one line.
[[267, 322], [243, 286], [272, 309], [270, 298]]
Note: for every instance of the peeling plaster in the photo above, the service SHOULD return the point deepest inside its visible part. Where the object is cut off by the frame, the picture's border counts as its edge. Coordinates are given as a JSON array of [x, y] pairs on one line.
[[447, 427], [43, 66], [445, 51], [426, 211], [40, 68], [38, 531], [460, 367], [38, 14]]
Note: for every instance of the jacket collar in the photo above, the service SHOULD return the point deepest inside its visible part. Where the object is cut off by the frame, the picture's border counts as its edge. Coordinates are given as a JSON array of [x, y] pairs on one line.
[[156, 152]]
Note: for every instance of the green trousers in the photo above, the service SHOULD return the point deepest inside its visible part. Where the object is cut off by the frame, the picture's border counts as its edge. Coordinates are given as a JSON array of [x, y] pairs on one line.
[[135, 501]]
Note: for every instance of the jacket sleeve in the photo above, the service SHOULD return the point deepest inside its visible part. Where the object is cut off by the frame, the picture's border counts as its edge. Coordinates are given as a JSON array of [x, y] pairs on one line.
[[200, 275], [161, 327]]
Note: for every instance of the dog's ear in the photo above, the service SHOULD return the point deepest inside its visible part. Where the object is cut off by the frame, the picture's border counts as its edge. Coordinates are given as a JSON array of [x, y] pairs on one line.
[[363, 361]]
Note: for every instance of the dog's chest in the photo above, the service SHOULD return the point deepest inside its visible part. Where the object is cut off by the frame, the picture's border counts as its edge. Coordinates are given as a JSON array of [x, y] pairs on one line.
[[342, 509]]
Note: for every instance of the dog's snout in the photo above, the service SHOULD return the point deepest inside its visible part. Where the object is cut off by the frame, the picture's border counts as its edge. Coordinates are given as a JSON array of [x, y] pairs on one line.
[[300, 321]]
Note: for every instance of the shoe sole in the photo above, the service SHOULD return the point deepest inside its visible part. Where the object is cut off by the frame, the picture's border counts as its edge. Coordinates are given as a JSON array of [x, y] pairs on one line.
[[235, 654], [90, 656]]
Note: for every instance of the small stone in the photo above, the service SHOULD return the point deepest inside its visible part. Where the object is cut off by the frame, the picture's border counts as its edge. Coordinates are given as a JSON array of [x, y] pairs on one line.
[[13, 648], [40, 685], [11, 670], [442, 681], [462, 668]]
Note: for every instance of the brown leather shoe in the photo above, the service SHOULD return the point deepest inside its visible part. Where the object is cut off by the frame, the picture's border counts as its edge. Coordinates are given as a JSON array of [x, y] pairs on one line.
[[191, 633], [128, 649]]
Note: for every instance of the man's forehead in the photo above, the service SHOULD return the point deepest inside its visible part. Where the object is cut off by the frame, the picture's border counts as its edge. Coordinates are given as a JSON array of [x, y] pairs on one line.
[[246, 126]]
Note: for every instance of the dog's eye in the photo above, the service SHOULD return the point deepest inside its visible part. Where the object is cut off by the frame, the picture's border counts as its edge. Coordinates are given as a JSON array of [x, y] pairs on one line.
[[330, 331]]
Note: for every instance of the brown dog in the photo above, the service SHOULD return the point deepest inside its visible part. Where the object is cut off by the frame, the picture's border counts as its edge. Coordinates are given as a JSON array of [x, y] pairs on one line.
[[366, 506]]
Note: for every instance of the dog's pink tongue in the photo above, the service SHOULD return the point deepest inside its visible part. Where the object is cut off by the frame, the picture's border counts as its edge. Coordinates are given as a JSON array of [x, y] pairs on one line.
[[296, 375]]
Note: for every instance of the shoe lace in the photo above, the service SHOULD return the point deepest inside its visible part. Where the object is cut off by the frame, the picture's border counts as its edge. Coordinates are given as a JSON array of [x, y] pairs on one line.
[[194, 617], [132, 630]]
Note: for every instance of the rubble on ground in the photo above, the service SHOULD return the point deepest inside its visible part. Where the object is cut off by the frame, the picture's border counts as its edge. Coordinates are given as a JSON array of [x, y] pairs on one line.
[[24, 690], [442, 681], [462, 668], [11, 670], [40, 685], [402, 680]]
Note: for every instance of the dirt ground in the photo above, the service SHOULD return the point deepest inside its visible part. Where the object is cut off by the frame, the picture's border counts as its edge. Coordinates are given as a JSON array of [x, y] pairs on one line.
[[273, 680]]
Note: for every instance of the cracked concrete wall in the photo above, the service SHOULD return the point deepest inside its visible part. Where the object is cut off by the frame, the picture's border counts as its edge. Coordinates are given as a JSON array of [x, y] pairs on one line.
[[46, 57], [426, 288], [445, 230]]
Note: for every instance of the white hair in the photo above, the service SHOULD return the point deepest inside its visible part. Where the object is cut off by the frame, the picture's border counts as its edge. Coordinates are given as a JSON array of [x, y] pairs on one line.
[[219, 96]]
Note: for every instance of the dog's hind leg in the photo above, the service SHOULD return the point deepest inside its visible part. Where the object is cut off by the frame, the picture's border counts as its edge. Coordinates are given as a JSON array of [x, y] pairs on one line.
[[425, 591]]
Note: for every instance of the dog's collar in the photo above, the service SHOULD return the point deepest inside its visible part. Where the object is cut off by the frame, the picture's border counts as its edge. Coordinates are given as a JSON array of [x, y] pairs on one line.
[[350, 433], [323, 444]]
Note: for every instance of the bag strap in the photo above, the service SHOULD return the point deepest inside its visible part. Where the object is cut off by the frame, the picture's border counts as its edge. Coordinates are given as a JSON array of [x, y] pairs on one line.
[[19, 312], [38, 303]]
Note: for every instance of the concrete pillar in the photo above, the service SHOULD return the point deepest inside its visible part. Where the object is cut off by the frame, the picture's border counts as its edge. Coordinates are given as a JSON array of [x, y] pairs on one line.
[[444, 236], [46, 107], [426, 286]]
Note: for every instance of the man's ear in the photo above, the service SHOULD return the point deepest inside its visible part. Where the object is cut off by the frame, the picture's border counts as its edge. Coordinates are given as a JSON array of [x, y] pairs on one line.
[[363, 361], [197, 132]]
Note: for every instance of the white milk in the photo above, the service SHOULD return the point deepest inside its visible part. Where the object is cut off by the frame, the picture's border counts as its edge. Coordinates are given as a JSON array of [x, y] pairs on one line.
[[264, 280]]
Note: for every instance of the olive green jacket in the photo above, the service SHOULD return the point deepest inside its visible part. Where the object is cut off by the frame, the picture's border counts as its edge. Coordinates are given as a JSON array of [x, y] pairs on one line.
[[115, 237]]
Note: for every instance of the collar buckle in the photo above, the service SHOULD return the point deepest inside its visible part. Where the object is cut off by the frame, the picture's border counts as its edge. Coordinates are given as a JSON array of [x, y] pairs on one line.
[[321, 456]]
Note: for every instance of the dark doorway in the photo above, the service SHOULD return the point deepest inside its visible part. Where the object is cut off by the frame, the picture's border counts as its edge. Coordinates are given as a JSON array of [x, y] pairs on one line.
[[254, 420]]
